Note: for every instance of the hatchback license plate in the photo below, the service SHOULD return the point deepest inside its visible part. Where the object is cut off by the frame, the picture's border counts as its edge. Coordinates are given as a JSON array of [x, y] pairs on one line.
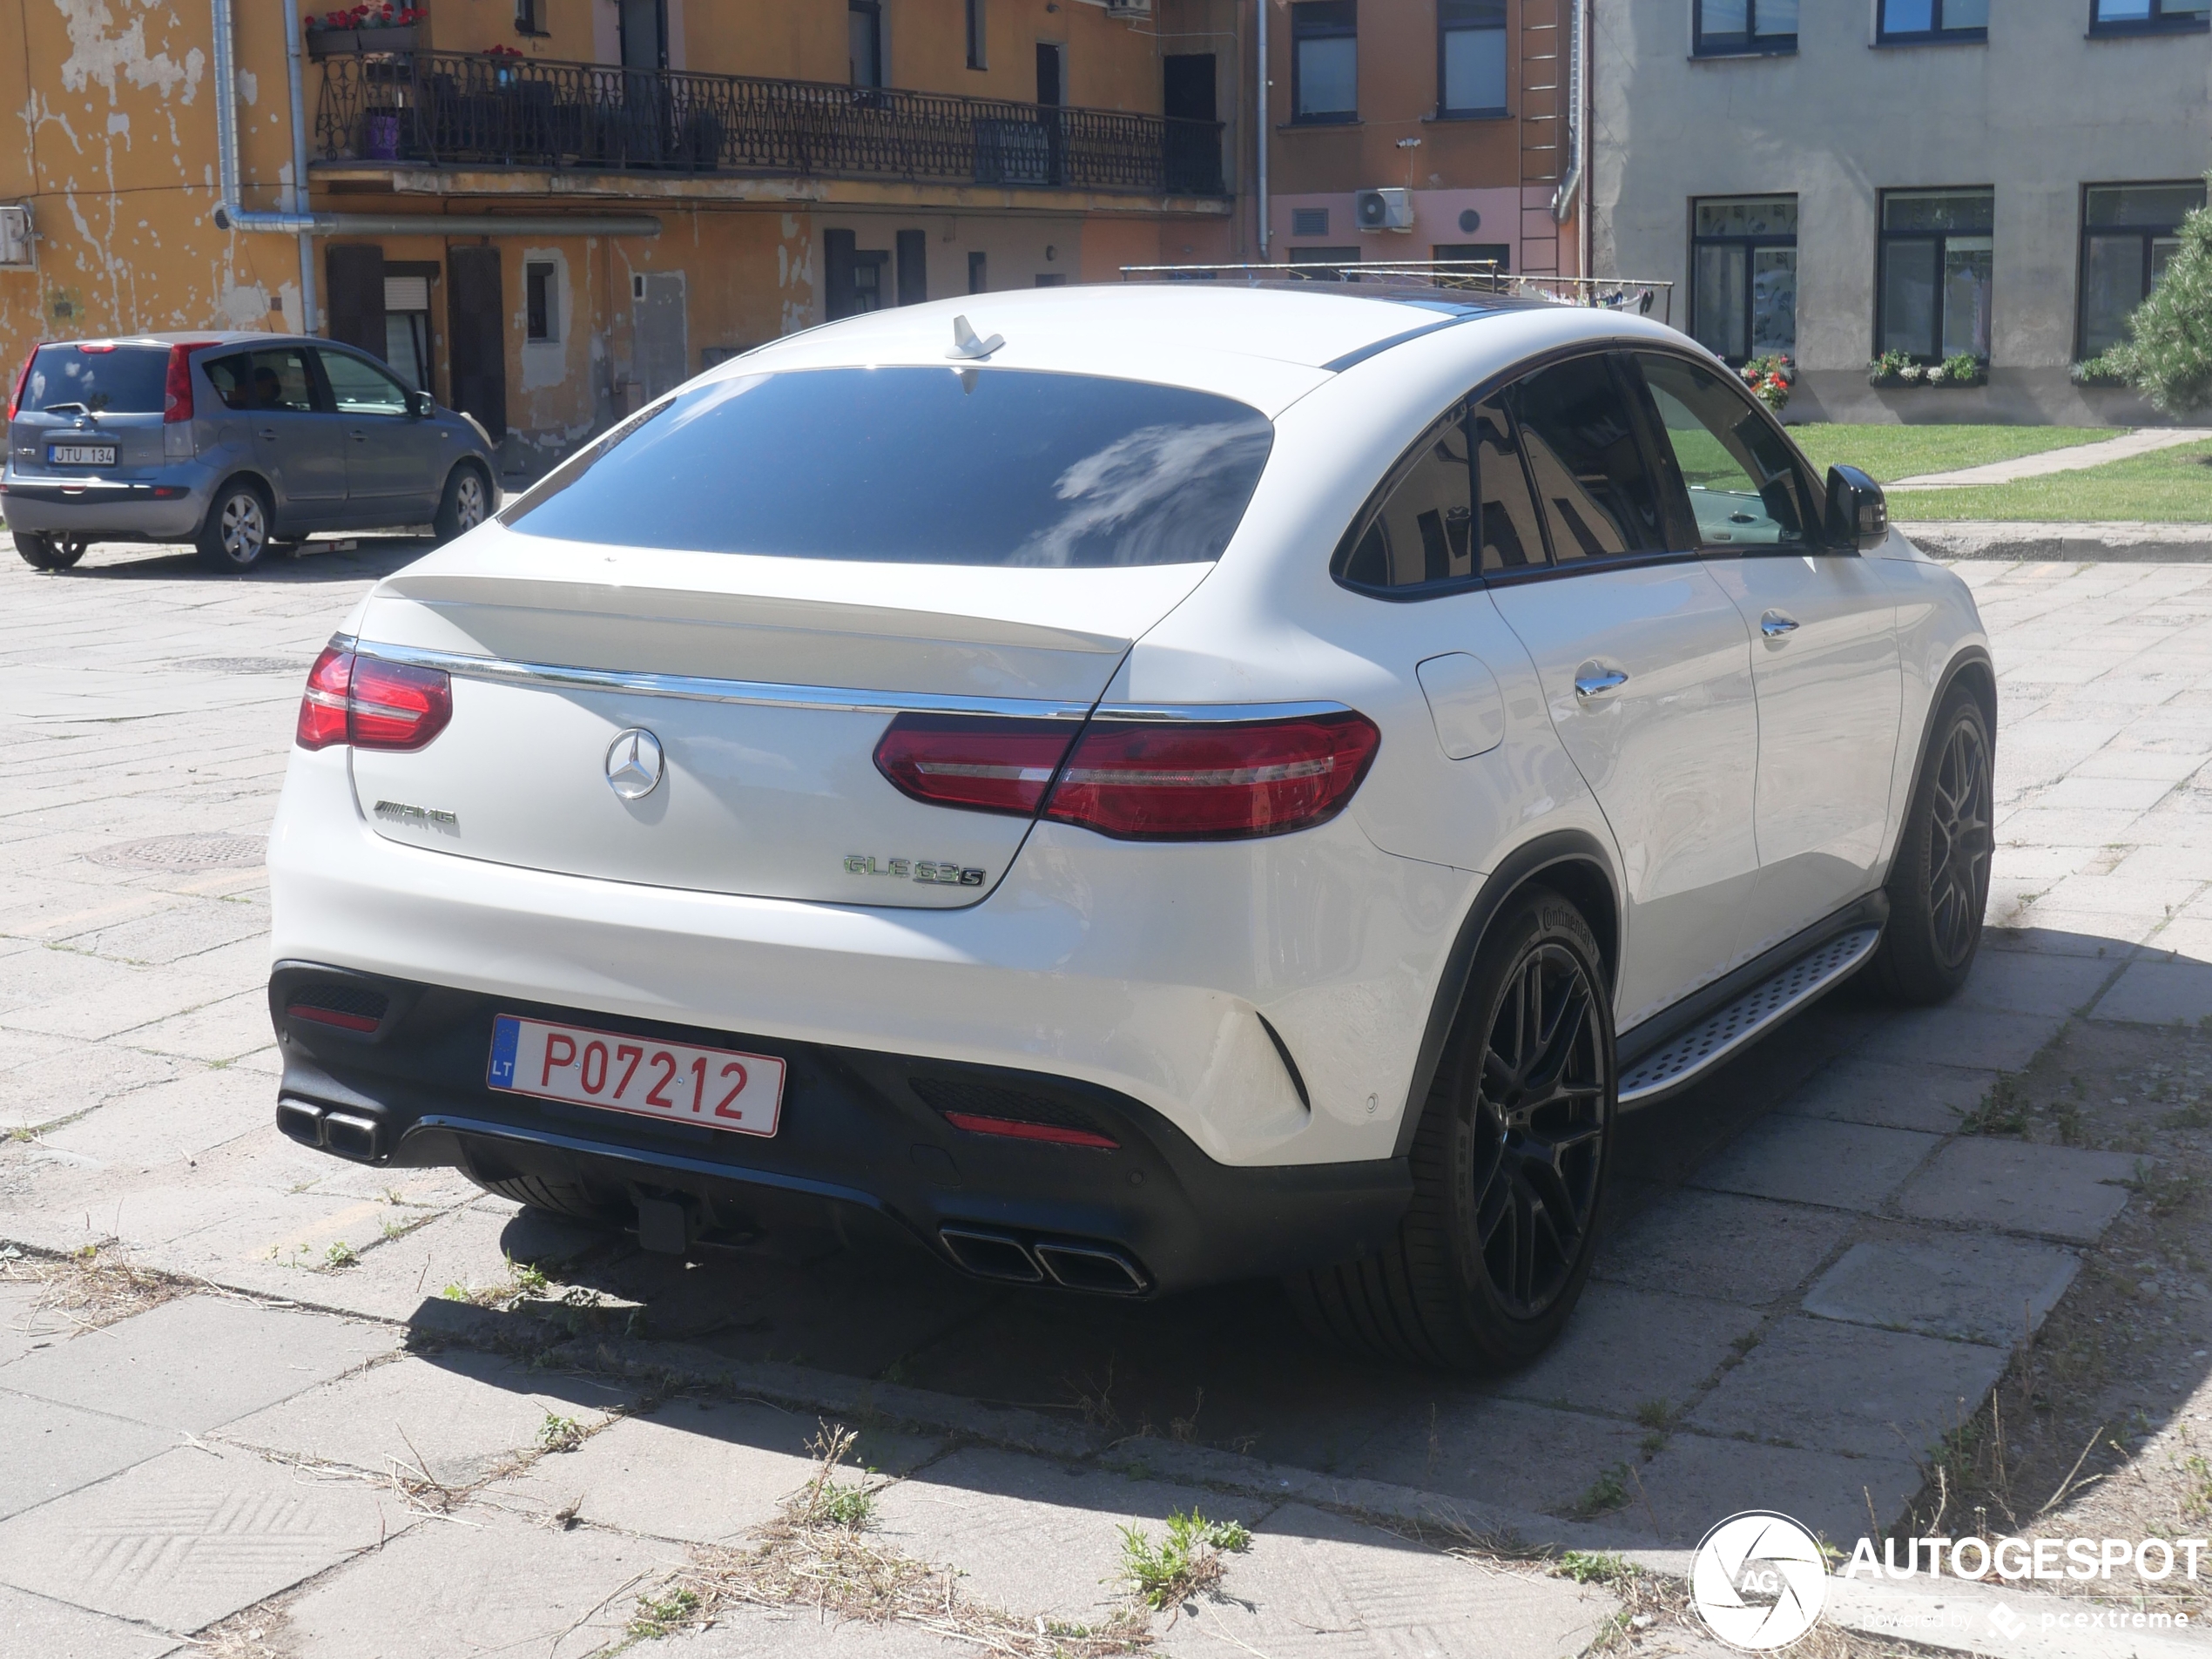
[[80, 455], [720, 1088]]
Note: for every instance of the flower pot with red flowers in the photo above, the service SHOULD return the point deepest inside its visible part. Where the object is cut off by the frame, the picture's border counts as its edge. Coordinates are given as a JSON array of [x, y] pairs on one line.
[[364, 28]]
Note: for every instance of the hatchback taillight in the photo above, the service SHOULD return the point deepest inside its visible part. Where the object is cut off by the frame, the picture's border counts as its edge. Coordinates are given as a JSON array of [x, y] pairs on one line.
[[22, 380], [176, 392], [1137, 780], [372, 703]]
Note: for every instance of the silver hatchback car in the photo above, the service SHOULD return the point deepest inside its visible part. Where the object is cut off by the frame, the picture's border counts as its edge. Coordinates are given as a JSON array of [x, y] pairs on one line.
[[235, 442]]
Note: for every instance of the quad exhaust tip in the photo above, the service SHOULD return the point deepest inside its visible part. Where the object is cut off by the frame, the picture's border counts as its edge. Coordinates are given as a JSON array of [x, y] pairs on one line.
[[1074, 1264]]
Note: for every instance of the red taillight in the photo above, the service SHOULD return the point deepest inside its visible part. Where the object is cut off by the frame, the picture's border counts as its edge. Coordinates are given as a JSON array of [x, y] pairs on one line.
[[991, 766], [337, 1017], [372, 703], [322, 711], [176, 392], [1178, 782], [23, 378], [1137, 780], [393, 706]]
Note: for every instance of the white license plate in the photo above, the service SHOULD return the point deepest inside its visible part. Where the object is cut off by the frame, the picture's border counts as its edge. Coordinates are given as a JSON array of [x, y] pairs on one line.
[[80, 455], [720, 1088]]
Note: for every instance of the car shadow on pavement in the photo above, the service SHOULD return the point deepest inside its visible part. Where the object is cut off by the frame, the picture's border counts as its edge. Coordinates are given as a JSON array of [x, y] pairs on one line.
[[363, 558]]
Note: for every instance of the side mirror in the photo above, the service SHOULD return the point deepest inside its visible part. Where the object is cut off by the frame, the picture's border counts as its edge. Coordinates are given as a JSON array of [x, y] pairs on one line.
[[421, 405], [1858, 513]]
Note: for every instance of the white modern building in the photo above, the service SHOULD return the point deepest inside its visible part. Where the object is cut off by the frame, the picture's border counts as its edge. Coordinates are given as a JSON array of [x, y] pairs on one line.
[[1836, 179]]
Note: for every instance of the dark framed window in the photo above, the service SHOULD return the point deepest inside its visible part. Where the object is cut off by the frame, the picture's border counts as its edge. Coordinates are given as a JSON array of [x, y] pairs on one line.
[[1744, 275], [2148, 16], [1325, 60], [1905, 23], [975, 54], [529, 17], [540, 302], [2129, 233], [1722, 27], [979, 274], [1470, 57], [1932, 300], [864, 30]]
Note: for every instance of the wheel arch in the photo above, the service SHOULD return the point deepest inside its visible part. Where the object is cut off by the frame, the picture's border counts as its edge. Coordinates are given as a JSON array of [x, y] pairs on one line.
[[247, 475], [1971, 666], [1575, 863]]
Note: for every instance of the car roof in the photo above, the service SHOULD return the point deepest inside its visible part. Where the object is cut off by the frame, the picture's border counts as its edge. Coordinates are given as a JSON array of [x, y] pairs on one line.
[[193, 337]]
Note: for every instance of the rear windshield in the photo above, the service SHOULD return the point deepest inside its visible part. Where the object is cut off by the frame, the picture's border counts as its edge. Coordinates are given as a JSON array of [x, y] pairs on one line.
[[107, 379], [919, 466]]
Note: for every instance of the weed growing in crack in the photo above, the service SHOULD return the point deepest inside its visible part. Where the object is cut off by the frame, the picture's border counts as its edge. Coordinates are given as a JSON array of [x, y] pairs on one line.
[[560, 1433], [664, 1613], [341, 1254], [528, 1277], [2001, 1111], [1183, 1565], [1606, 1493], [1593, 1567]]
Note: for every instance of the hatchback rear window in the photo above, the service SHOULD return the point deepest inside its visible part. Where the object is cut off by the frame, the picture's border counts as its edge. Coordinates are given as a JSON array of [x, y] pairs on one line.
[[107, 379], [921, 466]]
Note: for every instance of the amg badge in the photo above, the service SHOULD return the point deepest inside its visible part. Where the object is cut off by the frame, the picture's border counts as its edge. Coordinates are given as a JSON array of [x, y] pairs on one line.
[[421, 817], [931, 870]]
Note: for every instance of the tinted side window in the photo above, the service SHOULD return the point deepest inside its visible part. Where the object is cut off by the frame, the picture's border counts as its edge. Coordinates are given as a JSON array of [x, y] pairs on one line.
[[1598, 495], [1512, 538], [1424, 531], [1736, 476], [264, 379]]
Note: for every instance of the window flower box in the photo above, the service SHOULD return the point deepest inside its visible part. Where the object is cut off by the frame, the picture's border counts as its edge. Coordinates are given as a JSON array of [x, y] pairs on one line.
[[381, 28]]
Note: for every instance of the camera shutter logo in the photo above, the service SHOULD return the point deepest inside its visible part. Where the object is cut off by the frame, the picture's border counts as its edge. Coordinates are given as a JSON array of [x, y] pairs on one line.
[[1758, 1578], [634, 764]]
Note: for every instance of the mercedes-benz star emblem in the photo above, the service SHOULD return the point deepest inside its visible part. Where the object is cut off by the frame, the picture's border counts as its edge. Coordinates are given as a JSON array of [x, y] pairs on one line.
[[634, 764]]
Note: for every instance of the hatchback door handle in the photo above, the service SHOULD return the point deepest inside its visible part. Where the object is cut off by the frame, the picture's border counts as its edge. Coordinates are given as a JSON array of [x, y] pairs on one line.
[[1596, 682], [1774, 624], [269, 432]]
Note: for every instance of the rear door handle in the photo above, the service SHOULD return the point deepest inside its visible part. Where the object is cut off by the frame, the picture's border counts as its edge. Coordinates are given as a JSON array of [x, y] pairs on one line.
[[1774, 624], [269, 432], [1594, 681], [360, 436]]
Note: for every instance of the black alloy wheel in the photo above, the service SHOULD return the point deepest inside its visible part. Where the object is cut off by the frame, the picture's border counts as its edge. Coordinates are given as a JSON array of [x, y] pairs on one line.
[[1939, 884], [50, 552], [1508, 1163], [1537, 1140]]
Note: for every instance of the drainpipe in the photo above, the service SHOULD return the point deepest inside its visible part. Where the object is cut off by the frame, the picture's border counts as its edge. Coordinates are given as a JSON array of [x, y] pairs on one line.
[[1259, 116], [229, 216], [1563, 198], [295, 80]]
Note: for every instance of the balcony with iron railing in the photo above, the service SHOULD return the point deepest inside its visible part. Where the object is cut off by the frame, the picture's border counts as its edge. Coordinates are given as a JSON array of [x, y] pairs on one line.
[[464, 109]]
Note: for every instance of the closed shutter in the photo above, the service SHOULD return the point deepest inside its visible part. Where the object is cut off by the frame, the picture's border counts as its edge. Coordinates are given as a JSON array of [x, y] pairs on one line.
[[354, 275], [474, 314], [913, 267]]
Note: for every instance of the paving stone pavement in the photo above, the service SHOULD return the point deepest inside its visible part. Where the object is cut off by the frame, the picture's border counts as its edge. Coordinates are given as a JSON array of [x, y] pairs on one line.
[[1810, 1274]]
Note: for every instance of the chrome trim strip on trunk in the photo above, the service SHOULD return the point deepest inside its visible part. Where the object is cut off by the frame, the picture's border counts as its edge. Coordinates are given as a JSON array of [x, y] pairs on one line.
[[831, 699]]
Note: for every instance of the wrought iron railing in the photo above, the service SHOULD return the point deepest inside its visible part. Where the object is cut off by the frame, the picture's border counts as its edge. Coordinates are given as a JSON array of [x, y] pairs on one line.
[[458, 107]]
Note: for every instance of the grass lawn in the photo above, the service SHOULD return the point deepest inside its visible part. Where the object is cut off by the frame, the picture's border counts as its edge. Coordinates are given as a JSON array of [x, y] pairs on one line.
[[2167, 486], [1890, 452]]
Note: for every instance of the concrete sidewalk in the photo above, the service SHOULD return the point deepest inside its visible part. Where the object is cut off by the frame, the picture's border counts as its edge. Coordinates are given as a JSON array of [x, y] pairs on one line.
[[1813, 1277], [2073, 458]]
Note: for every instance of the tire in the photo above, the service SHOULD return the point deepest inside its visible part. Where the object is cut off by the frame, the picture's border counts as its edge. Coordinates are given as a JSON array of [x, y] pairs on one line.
[[236, 533], [1509, 1165], [1939, 886], [569, 1199], [50, 552], [466, 503]]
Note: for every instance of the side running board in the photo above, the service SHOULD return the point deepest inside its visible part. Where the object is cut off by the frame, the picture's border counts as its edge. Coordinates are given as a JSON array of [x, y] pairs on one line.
[[1683, 1058]]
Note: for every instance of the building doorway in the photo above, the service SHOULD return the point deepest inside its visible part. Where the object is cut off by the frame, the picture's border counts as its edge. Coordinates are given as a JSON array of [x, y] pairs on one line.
[[477, 335], [658, 324]]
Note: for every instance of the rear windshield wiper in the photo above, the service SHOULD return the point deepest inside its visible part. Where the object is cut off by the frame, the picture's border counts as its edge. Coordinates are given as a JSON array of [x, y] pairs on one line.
[[66, 409]]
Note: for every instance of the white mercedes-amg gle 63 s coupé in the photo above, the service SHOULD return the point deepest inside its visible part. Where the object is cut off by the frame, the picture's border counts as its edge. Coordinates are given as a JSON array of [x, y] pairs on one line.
[[1131, 788]]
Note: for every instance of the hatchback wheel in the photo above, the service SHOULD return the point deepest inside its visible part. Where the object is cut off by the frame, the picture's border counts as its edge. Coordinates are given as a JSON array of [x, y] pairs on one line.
[[237, 530], [1510, 1164], [467, 503], [1939, 884], [50, 552]]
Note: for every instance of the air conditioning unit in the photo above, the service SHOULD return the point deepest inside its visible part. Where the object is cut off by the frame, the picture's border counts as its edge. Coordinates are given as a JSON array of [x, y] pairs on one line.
[[1384, 210], [14, 237]]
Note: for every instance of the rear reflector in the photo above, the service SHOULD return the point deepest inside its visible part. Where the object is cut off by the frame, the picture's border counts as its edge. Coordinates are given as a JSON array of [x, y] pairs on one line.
[[338, 1017], [372, 703], [1199, 782], [977, 761], [1055, 1133]]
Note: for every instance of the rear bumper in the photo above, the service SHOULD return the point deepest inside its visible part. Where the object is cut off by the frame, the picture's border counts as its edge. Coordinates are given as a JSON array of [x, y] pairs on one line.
[[863, 1134], [121, 510]]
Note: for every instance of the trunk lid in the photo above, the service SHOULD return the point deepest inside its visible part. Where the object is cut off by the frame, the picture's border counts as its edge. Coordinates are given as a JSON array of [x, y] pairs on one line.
[[92, 397], [766, 683]]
